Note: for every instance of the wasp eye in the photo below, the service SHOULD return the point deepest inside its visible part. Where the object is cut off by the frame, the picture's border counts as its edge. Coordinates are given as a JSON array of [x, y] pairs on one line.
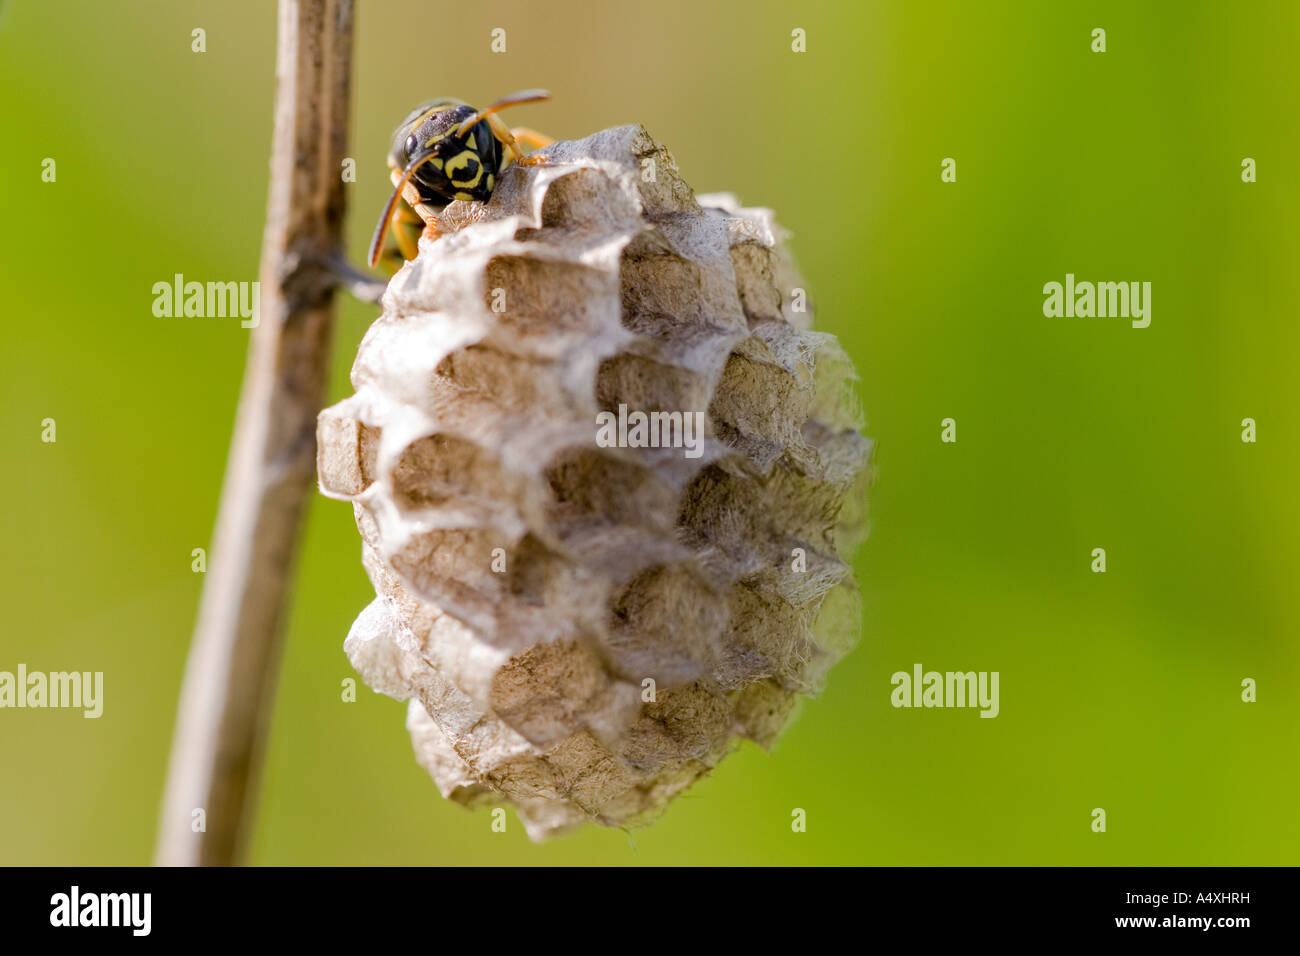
[[412, 144]]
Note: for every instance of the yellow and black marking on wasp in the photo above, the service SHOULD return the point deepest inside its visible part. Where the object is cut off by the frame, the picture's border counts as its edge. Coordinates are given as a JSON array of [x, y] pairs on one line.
[[446, 150]]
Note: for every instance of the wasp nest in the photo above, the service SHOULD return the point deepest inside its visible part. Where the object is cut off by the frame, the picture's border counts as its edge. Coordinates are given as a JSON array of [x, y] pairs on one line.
[[604, 474]]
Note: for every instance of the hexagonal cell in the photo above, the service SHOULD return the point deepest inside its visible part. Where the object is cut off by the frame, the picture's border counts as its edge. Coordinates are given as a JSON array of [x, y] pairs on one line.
[[589, 484], [678, 290], [645, 385], [690, 723], [441, 469], [452, 567], [486, 374], [763, 709], [664, 624], [544, 692], [760, 400], [533, 298], [755, 282], [346, 451], [587, 199]]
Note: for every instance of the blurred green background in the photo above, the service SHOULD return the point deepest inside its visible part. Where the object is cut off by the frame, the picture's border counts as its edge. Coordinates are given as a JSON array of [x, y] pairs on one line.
[[1118, 690]]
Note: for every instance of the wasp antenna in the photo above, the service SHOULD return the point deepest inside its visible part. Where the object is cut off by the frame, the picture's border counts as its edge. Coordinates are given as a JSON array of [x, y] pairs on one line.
[[514, 99], [377, 240]]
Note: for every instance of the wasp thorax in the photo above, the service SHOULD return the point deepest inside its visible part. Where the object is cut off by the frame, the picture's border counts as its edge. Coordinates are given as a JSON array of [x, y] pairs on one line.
[[606, 478]]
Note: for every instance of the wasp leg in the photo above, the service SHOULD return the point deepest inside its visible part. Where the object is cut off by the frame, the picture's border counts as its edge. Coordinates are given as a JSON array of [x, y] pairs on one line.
[[530, 138], [429, 215], [348, 277], [507, 139], [404, 216]]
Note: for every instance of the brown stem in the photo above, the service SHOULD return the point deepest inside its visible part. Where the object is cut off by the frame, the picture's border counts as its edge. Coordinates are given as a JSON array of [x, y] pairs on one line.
[[230, 675]]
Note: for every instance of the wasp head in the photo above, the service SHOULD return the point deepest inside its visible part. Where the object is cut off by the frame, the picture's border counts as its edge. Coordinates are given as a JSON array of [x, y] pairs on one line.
[[446, 150], [448, 165]]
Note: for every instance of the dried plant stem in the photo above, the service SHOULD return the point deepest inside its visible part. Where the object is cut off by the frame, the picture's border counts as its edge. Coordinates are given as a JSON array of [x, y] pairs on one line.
[[230, 675]]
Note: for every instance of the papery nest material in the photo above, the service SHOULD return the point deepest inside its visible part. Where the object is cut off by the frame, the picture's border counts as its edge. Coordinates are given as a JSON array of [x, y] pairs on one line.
[[582, 630]]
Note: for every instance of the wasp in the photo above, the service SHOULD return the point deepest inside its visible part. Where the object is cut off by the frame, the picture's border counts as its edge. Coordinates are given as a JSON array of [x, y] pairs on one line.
[[443, 151]]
